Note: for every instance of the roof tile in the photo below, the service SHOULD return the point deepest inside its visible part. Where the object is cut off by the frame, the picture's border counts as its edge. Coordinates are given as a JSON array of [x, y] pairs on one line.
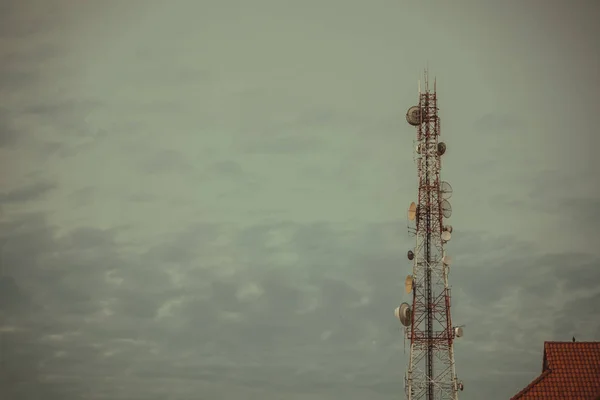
[[571, 371]]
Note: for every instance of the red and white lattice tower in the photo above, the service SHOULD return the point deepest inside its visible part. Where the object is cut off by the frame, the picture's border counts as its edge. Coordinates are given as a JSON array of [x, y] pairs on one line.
[[428, 325]]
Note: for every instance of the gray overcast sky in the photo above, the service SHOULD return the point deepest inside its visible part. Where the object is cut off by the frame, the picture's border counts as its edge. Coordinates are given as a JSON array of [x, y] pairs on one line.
[[206, 199]]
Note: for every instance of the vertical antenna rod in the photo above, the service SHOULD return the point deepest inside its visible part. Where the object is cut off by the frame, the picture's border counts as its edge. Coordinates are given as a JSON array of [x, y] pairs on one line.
[[428, 325]]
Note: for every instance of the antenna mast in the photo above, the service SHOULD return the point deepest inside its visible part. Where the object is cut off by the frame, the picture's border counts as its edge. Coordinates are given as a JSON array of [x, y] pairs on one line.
[[428, 325]]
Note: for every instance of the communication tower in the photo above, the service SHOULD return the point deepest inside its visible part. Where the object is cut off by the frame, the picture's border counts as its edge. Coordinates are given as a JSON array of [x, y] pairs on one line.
[[427, 322]]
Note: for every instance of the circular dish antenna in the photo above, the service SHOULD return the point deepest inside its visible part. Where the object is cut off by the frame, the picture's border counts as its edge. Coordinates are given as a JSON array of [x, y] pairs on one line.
[[446, 209], [446, 236], [445, 190], [441, 148], [412, 211], [403, 313], [446, 260], [409, 283], [410, 255], [458, 331], [413, 116], [448, 228]]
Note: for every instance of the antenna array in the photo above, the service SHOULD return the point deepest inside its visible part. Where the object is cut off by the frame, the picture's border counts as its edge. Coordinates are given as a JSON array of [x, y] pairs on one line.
[[428, 325]]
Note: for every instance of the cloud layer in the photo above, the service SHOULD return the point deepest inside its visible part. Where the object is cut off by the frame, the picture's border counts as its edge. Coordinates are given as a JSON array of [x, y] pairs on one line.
[[208, 199]]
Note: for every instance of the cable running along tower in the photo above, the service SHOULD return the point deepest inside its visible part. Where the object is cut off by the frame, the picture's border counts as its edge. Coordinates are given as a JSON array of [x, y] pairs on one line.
[[428, 325]]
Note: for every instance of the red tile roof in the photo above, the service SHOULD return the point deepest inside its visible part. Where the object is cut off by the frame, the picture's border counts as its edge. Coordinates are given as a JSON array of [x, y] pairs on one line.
[[571, 370]]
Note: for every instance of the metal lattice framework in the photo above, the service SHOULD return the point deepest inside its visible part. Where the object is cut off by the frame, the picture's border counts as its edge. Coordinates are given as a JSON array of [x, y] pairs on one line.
[[431, 371]]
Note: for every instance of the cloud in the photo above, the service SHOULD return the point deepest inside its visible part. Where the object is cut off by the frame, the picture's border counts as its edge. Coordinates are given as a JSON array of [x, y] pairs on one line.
[[13, 78], [67, 117], [584, 212], [283, 143], [283, 306], [514, 297], [217, 321], [27, 193], [494, 122], [65, 107], [281, 302], [141, 198], [297, 129], [8, 135], [227, 169], [11, 298], [166, 161]]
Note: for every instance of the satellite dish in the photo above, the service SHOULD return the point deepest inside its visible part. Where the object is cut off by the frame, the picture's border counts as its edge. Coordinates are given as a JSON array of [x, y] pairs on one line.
[[409, 283], [441, 148], [410, 255], [447, 260], [446, 209], [413, 116], [448, 228], [445, 190], [403, 313], [412, 211], [446, 236], [458, 331]]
